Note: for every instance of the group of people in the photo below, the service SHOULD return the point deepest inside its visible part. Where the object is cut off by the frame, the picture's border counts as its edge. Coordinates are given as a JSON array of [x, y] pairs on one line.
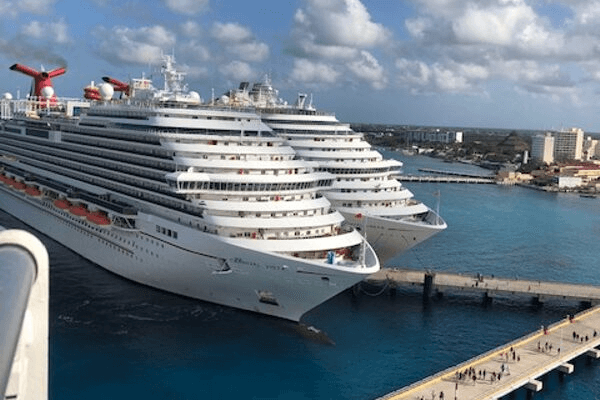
[[511, 354], [582, 338], [546, 348], [433, 396]]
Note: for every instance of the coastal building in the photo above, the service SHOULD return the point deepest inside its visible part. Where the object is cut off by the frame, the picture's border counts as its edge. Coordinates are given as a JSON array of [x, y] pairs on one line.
[[568, 144], [568, 182], [432, 136], [542, 148], [591, 150]]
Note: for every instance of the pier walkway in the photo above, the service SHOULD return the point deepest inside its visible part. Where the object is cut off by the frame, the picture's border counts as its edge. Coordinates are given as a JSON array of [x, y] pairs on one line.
[[444, 179], [439, 282], [454, 173], [512, 366]]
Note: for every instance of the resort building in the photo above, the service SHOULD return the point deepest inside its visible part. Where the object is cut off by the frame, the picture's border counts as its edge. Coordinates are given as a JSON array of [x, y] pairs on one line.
[[542, 148], [591, 150], [432, 136], [568, 144]]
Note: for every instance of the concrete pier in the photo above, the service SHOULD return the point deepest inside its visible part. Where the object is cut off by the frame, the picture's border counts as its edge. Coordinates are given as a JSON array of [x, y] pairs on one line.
[[444, 179], [515, 365], [440, 282]]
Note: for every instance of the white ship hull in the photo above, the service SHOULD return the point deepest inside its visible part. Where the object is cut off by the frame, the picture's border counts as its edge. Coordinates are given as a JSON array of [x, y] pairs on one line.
[[389, 237], [199, 266]]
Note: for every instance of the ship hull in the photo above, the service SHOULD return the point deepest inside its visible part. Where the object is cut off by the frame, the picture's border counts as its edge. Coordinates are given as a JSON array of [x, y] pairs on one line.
[[390, 238], [196, 265]]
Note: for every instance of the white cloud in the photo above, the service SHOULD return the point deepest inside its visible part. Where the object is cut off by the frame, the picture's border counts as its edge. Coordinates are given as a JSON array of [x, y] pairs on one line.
[[231, 32], [191, 29], [330, 39], [194, 72], [511, 25], [239, 41], [139, 46], [13, 8], [338, 23], [251, 51], [472, 46], [418, 26], [36, 6], [53, 31], [441, 78], [187, 7], [368, 69], [237, 71], [195, 50], [306, 71], [587, 12]]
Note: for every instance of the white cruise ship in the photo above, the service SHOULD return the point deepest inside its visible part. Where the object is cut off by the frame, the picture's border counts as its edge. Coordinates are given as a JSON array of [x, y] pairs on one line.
[[198, 200], [365, 190]]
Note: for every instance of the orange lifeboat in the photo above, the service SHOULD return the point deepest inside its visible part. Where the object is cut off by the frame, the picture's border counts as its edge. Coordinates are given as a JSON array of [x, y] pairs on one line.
[[98, 218], [78, 210], [18, 185], [33, 191], [62, 204]]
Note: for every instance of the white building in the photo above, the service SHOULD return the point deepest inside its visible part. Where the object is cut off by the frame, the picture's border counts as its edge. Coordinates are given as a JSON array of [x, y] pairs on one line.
[[542, 148], [568, 182], [434, 136], [591, 149], [568, 144]]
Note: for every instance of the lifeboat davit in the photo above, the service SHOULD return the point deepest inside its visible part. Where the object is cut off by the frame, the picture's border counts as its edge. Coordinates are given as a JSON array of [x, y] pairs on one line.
[[62, 203], [98, 218], [78, 210], [33, 191]]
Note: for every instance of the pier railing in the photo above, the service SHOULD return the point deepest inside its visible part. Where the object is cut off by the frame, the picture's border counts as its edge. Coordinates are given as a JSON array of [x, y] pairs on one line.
[[23, 316]]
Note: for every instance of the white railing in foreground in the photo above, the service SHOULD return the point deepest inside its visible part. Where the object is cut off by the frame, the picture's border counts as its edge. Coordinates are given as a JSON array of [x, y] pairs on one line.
[[23, 316]]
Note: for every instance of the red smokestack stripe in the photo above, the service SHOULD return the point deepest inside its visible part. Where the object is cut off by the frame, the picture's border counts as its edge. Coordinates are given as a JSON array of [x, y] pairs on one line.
[[119, 86], [57, 72], [26, 70]]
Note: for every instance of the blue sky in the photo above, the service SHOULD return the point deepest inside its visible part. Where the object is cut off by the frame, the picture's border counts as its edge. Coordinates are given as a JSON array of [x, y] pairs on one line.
[[532, 64]]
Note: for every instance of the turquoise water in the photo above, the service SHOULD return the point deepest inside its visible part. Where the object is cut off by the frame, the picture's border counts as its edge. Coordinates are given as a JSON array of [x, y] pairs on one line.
[[110, 338]]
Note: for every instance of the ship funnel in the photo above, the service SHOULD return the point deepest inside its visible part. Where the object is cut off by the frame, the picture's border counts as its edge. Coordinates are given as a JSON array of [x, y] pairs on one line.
[[41, 79], [118, 85]]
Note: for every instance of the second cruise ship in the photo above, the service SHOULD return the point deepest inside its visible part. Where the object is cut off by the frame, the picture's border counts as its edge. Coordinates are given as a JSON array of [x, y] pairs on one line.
[[364, 189]]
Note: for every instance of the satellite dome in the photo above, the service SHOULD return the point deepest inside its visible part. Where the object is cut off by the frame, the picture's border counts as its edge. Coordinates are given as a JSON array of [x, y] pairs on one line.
[[47, 92], [106, 91], [7, 96], [224, 99], [195, 96]]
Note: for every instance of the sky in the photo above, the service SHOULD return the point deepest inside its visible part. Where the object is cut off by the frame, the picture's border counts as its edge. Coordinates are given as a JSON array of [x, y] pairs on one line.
[[513, 64]]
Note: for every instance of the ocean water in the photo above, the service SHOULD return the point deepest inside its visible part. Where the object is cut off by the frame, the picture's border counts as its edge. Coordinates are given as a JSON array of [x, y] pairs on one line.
[[114, 339]]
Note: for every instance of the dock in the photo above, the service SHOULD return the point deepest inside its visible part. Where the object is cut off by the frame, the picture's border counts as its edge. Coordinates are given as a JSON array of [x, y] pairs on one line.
[[437, 283], [444, 179], [454, 173], [515, 365]]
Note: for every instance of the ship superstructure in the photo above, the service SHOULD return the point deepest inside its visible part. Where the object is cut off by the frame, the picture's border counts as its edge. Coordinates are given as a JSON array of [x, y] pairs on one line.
[[364, 190], [199, 200]]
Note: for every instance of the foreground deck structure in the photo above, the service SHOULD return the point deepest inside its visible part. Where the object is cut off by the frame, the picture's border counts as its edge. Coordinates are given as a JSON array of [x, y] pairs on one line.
[[515, 365]]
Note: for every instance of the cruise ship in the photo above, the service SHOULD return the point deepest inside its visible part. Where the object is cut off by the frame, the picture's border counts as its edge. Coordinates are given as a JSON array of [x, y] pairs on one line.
[[195, 199], [365, 190]]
